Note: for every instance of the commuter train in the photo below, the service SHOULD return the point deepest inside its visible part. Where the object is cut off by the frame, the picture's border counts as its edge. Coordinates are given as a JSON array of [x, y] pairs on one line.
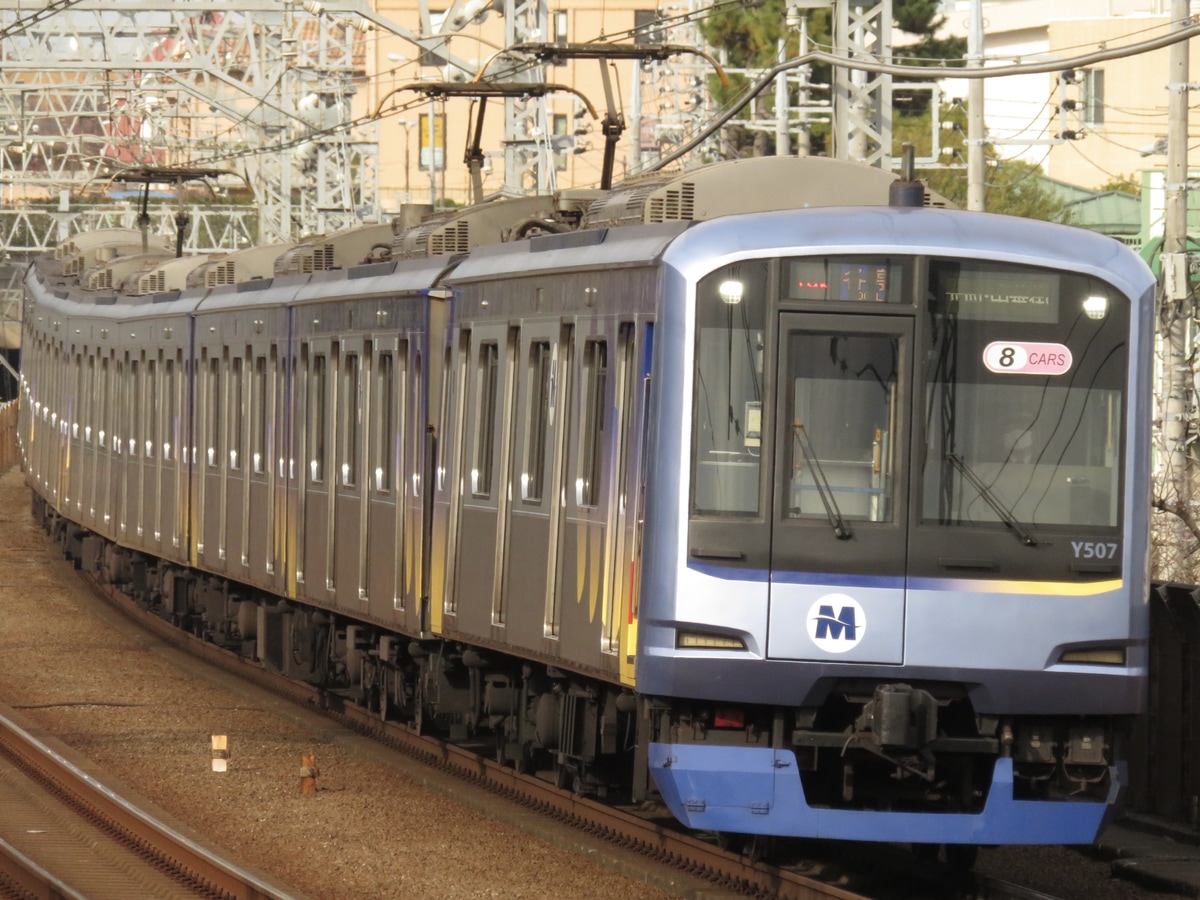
[[740, 489]]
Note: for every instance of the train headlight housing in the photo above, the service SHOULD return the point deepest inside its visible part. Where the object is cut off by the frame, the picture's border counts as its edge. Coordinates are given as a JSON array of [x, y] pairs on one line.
[[699, 640], [1095, 656], [731, 291], [1095, 307]]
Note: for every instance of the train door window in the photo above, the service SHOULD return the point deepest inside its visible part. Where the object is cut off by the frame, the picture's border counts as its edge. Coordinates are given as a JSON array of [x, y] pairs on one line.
[[259, 414], [351, 420], [289, 395], [79, 395], [317, 374], [508, 421], [459, 453], [540, 382], [591, 447], [728, 414], [383, 427], [90, 423], [486, 397], [842, 401], [237, 413], [213, 405], [103, 404], [152, 407], [444, 414], [624, 394], [118, 390], [136, 406], [565, 374], [169, 410]]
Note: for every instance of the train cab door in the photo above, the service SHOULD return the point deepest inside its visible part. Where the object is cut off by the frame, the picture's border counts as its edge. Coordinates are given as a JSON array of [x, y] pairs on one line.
[[837, 558]]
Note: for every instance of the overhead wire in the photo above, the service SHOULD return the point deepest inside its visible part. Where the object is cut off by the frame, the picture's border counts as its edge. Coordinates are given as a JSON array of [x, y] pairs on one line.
[[823, 53]]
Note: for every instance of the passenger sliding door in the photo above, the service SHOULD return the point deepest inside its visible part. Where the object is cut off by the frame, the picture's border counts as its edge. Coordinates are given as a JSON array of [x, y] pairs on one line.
[[837, 559], [531, 548]]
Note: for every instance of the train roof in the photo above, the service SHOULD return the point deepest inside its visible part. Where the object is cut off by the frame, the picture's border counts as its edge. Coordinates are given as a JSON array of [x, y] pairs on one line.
[[708, 245], [607, 247]]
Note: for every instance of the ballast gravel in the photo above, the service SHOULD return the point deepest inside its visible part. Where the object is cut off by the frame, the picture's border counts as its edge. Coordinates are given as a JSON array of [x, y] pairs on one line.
[[77, 671]]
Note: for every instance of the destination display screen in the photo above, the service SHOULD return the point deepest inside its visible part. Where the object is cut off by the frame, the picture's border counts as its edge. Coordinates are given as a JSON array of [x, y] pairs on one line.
[[1000, 294], [848, 280]]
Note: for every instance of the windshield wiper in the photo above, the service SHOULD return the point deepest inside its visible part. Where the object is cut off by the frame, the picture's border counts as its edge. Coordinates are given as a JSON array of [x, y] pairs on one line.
[[840, 528], [1006, 515]]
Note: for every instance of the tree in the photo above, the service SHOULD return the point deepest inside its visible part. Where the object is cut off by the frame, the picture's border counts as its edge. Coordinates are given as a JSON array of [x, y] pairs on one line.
[[921, 19], [1011, 186], [750, 38], [1126, 184]]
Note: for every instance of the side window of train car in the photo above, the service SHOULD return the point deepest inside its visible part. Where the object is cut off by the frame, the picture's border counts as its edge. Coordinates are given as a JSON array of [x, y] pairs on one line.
[[137, 405], [488, 383], [237, 413], [259, 415], [90, 426], [101, 404], [382, 422], [81, 409], [731, 320], [213, 425], [317, 374], [152, 407], [351, 420], [167, 441], [120, 411], [541, 368], [591, 423]]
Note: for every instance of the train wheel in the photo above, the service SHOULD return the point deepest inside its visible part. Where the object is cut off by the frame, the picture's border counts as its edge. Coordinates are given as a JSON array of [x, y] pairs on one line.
[[759, 847], [384, 703], [523, 764], [563, 776]]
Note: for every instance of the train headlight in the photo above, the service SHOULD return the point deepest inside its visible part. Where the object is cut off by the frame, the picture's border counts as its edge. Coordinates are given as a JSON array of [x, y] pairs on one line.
[[694, 640], [731, 291], [1097, 656], [1095, 307]]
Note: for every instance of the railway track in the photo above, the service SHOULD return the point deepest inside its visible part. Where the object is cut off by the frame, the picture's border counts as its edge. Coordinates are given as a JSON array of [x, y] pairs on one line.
[[65, 833], [650, 831]]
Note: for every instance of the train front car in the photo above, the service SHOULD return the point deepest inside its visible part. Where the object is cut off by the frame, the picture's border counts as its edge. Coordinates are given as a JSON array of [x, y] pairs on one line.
[[899, 591]]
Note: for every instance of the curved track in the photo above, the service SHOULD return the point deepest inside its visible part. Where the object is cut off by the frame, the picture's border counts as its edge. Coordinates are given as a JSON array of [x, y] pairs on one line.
[[65, 833], [651, 831]]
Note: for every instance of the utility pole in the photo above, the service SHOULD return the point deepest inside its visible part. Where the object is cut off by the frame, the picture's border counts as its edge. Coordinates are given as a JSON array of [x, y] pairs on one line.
[[975, 153], [1174, 315]]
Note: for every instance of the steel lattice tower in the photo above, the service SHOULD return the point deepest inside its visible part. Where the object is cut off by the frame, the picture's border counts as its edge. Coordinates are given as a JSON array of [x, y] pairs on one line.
[[90, 86]]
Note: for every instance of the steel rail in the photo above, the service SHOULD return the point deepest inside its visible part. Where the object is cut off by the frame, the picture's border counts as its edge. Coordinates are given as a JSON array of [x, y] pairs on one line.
[[679, 849], [199, 870], [725, 870]]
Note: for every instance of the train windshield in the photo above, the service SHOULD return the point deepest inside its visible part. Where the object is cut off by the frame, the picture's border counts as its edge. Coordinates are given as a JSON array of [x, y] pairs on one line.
[[960, 392], [730, 332], [1023, 394]]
